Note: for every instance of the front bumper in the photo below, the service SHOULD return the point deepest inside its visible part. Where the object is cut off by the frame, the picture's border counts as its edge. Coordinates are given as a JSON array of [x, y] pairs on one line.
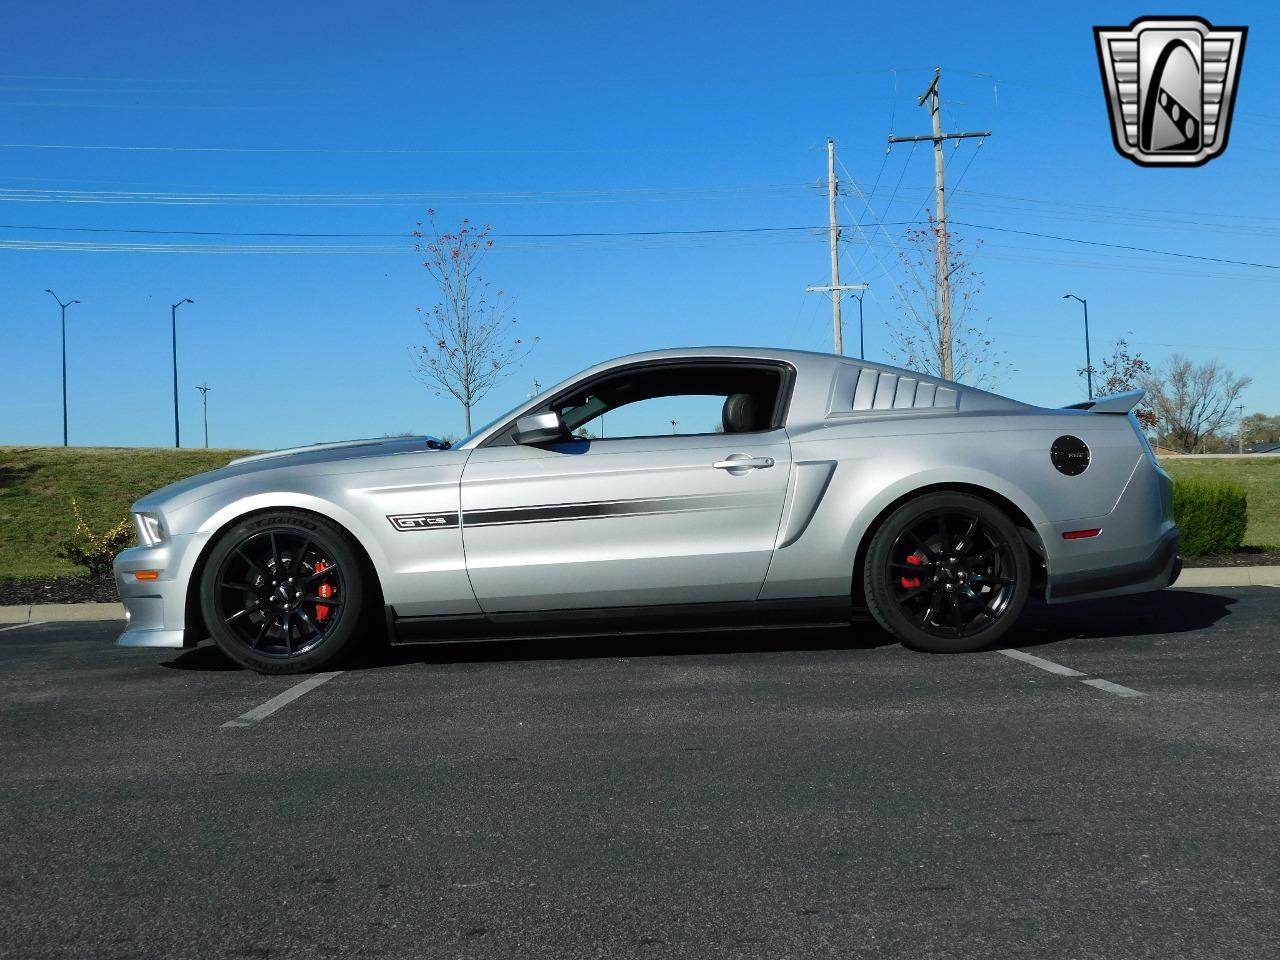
[[156, 610]]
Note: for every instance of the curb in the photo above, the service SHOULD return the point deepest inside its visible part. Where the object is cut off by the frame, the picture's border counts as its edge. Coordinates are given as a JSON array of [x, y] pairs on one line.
[[47, 612], [1229, 577], [54, 612]]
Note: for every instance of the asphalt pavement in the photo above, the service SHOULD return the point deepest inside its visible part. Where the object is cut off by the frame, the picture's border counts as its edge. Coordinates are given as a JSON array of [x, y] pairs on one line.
[[1104, 788]]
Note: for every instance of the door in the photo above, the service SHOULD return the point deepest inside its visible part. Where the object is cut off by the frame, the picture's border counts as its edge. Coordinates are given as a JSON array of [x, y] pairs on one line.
[[619, 521]]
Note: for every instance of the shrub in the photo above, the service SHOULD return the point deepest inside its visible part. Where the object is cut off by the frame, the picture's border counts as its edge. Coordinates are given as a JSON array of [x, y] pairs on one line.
[[1211, 516], [95, 550]]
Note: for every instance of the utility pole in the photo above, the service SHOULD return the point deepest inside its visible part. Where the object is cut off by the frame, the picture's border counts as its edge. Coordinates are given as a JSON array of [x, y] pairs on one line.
[[204, 389], [940, 193], [64, 360], [173, 318], [834, 241], [1240, 426]]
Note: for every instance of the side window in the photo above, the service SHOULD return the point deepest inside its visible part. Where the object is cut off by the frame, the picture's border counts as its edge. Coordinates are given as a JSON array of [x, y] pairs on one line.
[[682, 415], [679, 399]]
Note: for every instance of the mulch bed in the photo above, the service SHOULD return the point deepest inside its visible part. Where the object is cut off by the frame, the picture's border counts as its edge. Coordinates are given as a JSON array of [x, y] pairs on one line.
[[59, 590], [1245, 557]]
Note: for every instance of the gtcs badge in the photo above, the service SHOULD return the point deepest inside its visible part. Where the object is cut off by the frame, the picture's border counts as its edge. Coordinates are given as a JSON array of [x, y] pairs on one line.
[[1170, 85]]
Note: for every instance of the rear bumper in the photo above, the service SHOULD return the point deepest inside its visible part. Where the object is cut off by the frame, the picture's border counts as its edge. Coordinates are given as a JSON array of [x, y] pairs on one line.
[[1156, 571]]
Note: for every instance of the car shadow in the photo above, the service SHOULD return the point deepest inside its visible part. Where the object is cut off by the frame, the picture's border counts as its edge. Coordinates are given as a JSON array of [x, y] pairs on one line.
[[865, 635], [1164, 612], [1140, 615], [205, 657]]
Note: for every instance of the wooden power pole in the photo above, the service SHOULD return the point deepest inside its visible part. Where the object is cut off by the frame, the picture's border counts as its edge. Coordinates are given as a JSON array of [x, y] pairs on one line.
[[833, 235], [940, 193]]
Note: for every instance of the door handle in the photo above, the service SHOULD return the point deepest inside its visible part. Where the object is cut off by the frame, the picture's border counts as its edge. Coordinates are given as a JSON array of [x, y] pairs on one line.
[[740, 461]]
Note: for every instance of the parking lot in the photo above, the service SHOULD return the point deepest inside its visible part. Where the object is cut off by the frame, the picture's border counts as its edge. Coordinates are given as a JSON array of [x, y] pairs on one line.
[[1105, 788]]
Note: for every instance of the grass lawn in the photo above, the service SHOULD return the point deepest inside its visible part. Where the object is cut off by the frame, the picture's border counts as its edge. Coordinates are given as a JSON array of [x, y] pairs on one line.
[[1260, 479], [37, 484]]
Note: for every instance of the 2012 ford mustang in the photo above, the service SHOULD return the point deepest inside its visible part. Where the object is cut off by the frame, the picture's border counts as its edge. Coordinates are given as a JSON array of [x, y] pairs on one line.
[[678, 490]]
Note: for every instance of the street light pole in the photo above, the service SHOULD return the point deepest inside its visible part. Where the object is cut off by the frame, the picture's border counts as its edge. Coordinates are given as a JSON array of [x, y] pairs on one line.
[[204, 389], [64, 359], [173, 319], [1088, 363], [1240, 427], [862, 340]]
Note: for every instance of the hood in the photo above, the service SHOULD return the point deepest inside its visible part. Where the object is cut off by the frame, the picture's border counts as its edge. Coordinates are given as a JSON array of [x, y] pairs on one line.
[[319, 455], [390, 445]]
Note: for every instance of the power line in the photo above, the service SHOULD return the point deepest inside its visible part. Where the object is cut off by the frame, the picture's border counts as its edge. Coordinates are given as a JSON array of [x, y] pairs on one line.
[[405, 236], [158, 148], [210, 233], [1121, 246], [816, 230], [866, 199], [242, 199]]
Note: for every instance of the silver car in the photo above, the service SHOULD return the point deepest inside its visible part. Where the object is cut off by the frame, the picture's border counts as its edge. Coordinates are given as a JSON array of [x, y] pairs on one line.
[[679, 490]]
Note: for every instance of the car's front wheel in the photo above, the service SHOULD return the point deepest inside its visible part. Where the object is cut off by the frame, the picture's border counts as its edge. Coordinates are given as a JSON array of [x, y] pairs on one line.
[[282, 592], [947, 573]]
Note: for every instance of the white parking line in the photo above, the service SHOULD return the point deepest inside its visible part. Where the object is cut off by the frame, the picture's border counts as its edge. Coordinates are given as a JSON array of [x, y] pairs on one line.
[[19, 626], [1047, 665], [1050, 667], [1110, 687], [264, 710]]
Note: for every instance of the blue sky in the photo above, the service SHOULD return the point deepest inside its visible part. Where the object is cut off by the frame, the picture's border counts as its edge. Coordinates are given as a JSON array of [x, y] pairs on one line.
[[561, 118]]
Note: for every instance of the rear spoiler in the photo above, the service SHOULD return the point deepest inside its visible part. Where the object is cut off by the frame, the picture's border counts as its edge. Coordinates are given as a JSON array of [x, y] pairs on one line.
[[1120, 403]]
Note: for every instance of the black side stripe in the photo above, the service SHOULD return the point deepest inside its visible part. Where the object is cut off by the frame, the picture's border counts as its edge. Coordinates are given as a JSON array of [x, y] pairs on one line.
[[594, 510]]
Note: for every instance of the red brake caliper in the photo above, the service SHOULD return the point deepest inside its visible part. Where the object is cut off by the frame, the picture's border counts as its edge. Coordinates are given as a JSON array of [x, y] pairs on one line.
[[909, 582], [324, 590]]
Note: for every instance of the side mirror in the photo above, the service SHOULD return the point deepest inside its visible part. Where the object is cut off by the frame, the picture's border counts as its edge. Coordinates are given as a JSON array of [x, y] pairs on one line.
[[540, 428]]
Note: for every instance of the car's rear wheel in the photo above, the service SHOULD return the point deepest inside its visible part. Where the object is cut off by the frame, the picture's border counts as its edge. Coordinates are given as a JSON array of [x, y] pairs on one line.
[[947, 573], [282, 592]]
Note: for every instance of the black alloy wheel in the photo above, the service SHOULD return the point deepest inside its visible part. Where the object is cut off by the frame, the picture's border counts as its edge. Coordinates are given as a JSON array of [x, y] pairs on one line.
[[282, 592], [947, 573]]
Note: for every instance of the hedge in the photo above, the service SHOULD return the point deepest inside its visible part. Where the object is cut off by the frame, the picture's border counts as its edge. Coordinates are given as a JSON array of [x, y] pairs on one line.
[[1211, 516]]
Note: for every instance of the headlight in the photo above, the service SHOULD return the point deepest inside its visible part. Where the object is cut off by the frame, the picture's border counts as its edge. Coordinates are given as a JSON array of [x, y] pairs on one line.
[[150, 529]]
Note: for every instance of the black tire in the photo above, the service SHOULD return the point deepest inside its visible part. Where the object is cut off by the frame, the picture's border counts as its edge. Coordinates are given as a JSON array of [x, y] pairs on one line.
[[283, 592], [947, 573]]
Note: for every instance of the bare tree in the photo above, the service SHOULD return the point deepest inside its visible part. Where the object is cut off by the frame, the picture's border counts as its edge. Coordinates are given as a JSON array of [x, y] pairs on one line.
[[1191, 401], [471, 341], [1124, 371], [918, 339]]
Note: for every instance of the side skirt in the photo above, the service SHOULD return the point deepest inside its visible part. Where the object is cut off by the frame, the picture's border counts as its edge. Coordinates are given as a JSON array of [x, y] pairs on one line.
[[623, 621]]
